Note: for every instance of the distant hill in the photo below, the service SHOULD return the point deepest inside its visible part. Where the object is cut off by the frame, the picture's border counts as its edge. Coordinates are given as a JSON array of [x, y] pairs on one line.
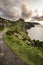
[[28, 25]]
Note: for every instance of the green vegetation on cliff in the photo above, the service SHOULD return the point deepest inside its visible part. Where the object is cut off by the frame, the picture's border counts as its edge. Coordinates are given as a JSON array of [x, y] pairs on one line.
[[28, 54], [17, 39]]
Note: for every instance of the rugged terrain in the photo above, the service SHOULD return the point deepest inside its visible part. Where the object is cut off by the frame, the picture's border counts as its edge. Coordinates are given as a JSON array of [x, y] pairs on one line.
[[6, 55]]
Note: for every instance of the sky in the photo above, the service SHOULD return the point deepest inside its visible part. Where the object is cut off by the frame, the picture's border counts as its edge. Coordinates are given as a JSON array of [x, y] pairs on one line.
[[36, 4], [15, 9]]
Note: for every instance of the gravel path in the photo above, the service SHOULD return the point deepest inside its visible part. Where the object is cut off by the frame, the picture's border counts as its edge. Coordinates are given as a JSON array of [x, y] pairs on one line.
[[6, 55]]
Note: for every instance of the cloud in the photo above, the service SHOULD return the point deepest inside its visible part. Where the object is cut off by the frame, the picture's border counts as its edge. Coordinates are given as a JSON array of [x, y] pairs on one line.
[[1, 5], [25, 9], [38, 18], [9, 9], [12, 13], [14, 9], [38, 15], [26, 12]]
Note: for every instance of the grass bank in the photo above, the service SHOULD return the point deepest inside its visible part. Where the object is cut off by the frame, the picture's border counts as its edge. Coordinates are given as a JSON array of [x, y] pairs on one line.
[[28, 54]]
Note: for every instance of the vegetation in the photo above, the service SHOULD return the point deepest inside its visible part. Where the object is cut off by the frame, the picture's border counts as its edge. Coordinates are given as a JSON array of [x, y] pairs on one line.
[[28, 54], [38, 44], [20, 43]]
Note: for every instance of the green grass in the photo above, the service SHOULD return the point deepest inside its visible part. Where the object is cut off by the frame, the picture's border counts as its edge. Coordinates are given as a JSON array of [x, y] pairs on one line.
[[23, 34], [1, 29], [28, 54]]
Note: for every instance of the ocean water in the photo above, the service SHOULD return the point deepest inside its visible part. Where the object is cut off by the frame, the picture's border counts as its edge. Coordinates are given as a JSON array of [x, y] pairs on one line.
[[36, 32]]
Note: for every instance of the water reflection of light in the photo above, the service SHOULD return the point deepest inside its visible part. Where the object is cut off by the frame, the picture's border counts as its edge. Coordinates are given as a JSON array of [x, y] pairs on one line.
[[41, 22], [36, 32], [29, 20]]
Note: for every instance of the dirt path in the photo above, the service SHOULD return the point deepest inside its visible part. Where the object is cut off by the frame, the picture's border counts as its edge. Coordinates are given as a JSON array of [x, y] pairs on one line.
[[6, 56]]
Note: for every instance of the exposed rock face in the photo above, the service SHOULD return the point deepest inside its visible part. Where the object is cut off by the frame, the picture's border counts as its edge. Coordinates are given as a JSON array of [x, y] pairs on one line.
[[6, 55]]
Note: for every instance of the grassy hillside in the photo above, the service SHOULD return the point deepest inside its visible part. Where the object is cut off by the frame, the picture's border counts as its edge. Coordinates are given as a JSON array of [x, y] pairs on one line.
[[17, 39], [28, 54], [20, 43]]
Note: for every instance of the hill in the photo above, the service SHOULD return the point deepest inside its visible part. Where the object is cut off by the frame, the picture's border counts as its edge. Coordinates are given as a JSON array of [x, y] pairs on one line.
[[17, 39]]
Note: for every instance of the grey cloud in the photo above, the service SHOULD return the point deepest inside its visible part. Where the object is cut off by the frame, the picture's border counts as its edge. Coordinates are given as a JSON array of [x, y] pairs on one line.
[[15, 9], [25, 9], [26, 12], [1, 5], [9, 9], [12, 13], [38, 18], [7, 2]]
